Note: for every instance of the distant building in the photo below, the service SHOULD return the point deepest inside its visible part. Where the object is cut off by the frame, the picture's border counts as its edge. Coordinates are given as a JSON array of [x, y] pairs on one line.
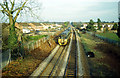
[[25, 30], [84, 26], [96, 26], [31, 27]]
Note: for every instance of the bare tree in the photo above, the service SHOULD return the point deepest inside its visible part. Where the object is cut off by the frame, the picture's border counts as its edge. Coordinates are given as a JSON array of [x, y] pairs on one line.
[[12, 9]]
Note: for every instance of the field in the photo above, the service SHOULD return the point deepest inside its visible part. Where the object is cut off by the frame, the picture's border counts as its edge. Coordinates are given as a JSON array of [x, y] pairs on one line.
[[105, 64], [110, 35]]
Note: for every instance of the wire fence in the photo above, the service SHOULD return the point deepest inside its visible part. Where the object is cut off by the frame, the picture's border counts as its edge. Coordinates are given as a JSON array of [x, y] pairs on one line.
[[7, 55], [30, 46], [117, 43], [6, 58], [34, 44]]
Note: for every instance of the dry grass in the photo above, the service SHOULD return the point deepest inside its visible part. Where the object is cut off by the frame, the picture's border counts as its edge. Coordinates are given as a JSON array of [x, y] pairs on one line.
[[25, 67], [105, 63], [108, 48]]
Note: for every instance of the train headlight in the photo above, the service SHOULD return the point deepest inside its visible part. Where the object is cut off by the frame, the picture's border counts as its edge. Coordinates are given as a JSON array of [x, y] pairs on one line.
[[65, 40]]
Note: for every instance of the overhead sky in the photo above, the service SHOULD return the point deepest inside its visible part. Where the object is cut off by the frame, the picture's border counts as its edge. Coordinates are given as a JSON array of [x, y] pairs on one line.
[[79, 10], [75, 10]]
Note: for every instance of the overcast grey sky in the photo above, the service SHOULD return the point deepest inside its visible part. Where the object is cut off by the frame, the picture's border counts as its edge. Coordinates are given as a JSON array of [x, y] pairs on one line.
[[79, 10], [75, 10]]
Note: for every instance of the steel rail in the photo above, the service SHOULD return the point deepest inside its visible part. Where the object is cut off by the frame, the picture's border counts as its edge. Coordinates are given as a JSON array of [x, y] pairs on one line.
[[80, 67], [66, 58], [43, 65]]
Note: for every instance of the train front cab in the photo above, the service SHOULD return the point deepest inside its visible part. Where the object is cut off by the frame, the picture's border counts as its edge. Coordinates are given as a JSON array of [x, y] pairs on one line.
[[62, 41]]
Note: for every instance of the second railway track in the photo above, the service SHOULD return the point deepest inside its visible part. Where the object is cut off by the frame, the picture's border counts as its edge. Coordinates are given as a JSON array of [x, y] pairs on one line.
[[65, 62], [50, 69]]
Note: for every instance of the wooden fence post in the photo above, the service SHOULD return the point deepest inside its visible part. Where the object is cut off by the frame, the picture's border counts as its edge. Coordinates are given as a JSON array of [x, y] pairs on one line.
[[0, 63], [117, 44], [39, 42], [9, 59], [43, 39], [32, 46], [36, 44], [28, 47]]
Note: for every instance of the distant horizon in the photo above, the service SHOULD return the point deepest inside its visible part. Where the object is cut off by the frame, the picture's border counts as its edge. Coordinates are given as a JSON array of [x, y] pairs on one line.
[[63, 21], [74, 10]]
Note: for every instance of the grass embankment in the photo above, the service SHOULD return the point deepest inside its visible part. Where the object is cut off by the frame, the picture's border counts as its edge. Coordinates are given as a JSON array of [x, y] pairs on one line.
[[37, 37], [25, 67], [110, 35], [104, 63]]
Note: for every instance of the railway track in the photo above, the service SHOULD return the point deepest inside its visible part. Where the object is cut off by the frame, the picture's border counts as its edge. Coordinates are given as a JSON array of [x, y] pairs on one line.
[[64, 62], [50, 69], [71, 68], [58, 62]]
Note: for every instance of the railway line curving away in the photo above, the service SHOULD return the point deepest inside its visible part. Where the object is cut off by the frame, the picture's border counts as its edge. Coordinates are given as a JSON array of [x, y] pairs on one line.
[[64, 61]]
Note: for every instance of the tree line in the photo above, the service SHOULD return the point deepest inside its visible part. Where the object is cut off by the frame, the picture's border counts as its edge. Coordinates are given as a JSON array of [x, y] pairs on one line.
[[91, 27]]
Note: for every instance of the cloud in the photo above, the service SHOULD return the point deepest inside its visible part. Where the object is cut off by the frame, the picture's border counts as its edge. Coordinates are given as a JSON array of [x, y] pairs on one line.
[[78, 9], [77, 0]]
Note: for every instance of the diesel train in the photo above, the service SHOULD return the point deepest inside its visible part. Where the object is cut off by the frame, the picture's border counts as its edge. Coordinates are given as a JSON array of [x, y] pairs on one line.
[[63, 38]]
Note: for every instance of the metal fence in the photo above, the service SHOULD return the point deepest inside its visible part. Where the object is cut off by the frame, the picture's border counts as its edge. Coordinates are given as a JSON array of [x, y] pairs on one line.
[[35, 44], [6, 56], [106, 39]]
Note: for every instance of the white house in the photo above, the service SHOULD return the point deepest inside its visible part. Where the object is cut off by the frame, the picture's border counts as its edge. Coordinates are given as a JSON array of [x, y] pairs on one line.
[[25, 30], [82, 27], [58, 25], [96, 26], [85, 25], [46, 27]]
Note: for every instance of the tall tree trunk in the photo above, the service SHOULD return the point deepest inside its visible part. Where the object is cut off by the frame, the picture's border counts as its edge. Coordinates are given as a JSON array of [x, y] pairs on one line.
[[12, 40]]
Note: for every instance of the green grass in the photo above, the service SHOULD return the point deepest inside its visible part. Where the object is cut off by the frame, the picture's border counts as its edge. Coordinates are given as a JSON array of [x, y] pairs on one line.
[[98, 67], [88, 42], [110, 35], [35, 37]]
